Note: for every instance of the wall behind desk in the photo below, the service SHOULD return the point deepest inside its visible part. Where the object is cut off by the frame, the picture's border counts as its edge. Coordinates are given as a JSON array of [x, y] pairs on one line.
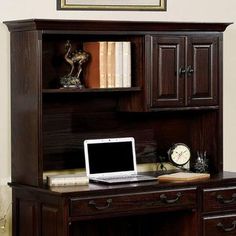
[[177, 10]]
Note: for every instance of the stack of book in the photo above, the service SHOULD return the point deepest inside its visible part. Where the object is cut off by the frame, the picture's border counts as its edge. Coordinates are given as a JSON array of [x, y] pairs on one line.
[[109, 65], [67, 180]]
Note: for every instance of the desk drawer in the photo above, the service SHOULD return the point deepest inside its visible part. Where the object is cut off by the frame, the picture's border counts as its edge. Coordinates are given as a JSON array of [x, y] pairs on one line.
[[219, 199], [219, 225], [126, 203]]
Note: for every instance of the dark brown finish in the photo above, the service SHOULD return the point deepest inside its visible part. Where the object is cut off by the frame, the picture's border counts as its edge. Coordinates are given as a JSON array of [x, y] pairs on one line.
[[150, 201], [203, 66], [27, 211], [219, 225], [26, 112], [219, 198], [124, 209], [71, 25], [168, 71], [185, 70], [176, 96]]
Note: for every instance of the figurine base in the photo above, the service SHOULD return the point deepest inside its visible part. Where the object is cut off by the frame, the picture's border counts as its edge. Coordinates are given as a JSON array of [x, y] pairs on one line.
[[71, 82], [73, 86]]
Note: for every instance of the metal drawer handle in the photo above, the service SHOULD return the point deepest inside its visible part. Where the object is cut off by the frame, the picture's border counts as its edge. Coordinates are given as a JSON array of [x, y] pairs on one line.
[[164, 199], [227, 229], [94, 204], [225, 201]]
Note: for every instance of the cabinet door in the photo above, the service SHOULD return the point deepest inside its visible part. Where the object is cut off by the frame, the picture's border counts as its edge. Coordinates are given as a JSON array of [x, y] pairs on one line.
[[168, 65], [26, 217], [202, 70]]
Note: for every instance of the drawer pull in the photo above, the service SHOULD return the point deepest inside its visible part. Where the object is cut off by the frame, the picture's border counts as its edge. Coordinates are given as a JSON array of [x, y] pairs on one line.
[[227, 229], [226, 201], [94, 204], [164, 199]]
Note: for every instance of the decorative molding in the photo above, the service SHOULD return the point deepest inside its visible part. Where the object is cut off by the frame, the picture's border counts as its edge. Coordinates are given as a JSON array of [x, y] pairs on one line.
[[129, 5]]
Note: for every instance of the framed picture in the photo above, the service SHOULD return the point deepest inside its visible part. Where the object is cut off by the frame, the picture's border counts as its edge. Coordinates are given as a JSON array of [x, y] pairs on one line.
[[129, 5]]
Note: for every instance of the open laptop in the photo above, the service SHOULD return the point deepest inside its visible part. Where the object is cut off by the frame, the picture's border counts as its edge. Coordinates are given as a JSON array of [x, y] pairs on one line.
[[112, 160]]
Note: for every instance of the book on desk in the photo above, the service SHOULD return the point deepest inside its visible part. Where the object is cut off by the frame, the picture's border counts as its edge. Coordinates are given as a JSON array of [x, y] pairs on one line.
[[67, 180], [183, 177]]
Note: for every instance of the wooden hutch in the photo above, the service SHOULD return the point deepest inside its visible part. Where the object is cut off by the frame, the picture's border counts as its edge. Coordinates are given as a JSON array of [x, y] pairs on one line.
[[176, 96]]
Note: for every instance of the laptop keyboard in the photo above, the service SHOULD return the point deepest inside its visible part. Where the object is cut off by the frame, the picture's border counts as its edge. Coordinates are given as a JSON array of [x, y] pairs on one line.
[[126, 178]]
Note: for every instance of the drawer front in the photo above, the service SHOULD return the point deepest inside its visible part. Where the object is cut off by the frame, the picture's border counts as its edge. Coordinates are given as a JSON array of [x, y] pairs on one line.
[[219, 199], [219, 225], [116, 204]]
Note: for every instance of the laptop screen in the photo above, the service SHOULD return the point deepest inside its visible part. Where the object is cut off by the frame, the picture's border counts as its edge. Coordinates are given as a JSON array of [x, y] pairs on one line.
[[110, 155]]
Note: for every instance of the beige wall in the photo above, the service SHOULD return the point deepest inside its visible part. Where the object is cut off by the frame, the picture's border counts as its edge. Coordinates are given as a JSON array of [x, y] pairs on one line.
[[177, 10]]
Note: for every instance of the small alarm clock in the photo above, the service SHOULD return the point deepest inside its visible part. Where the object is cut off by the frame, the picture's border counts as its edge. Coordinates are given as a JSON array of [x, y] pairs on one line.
[[179, 154]]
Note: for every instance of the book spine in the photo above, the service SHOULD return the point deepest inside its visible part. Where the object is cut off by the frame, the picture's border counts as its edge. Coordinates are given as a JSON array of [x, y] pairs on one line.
[[91, 72], [118, 64], [126, 64], [103, 64], [111, 64], [66, 181]]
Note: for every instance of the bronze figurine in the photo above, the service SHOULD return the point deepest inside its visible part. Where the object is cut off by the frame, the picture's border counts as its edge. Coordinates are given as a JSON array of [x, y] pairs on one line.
[[76, 58]]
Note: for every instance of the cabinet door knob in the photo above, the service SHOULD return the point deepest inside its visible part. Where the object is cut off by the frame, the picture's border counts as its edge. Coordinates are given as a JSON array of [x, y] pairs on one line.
[[190, 70], [182, 71], [229, 228]]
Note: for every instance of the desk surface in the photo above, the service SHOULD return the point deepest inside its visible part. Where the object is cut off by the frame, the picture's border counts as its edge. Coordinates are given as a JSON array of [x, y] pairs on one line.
[[225, 176], [95, 188]]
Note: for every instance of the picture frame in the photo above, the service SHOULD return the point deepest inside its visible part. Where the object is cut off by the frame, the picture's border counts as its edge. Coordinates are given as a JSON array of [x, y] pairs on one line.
[[128, 5]]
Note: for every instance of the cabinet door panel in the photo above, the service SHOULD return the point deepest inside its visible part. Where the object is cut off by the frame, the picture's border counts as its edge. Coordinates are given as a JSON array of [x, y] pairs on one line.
[[50, 221], [27, 220], [167, 78], [202, 70]]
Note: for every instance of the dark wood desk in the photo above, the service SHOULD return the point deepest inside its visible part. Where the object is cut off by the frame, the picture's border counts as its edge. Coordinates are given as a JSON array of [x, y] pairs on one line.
[[199, 208], [175, 96]]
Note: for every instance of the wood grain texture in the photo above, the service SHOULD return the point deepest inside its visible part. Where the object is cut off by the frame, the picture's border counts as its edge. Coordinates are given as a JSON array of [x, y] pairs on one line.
[[25, 107], [164, 106]]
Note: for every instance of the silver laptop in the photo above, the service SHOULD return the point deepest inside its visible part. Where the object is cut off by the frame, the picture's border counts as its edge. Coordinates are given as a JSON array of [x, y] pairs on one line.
[[112, 160]]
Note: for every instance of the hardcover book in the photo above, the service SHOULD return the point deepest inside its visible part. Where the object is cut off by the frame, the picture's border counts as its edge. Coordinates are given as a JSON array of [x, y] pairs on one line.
[[118, 64], [111, 64], [96, 70], [67, 180], [126, 64]]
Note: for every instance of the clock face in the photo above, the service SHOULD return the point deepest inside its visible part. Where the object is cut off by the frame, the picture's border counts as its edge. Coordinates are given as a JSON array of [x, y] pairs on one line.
[[179, 154]]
